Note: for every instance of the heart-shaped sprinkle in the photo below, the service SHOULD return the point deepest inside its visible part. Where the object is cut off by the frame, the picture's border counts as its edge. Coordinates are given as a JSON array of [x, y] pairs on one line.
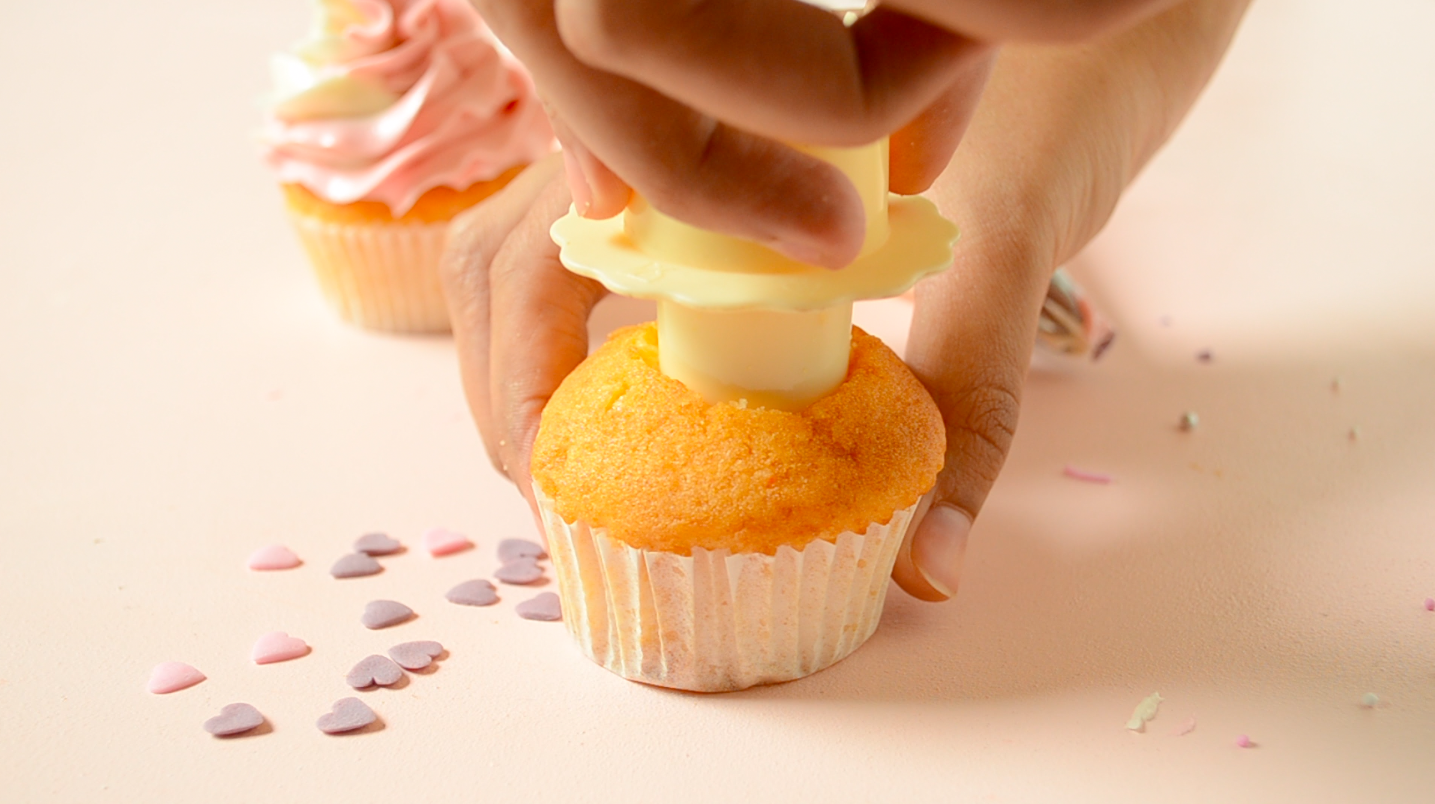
[[384, 613], [173, 676], [376, 544], [473, 593], [520, 571], [416, 655], [440, 542], [374, 671], [278, 646], [355, 565], [510, 550], [347, 714], [273, 557], [542, 607], [236, 718]]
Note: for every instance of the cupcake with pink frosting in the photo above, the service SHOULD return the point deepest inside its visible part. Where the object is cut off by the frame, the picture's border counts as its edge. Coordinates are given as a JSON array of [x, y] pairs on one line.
[[388, 121]]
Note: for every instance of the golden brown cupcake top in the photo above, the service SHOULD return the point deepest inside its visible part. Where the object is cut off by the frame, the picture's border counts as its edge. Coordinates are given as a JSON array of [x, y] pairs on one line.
[[625, 447]]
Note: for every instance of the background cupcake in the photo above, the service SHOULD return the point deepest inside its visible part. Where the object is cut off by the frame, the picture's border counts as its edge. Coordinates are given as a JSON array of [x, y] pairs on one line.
[[715, 546], [390, 119]]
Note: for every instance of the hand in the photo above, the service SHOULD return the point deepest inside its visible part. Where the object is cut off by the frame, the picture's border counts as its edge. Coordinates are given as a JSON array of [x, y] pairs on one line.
[[519, 317], [1059, 134]]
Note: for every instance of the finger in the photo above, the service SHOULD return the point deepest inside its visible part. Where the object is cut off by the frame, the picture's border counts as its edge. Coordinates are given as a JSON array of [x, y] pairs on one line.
[[921, 149], [475, 238], [597, 191], [972, 334], [778, 68], [687, 164], [1034, 20], [538, 329]]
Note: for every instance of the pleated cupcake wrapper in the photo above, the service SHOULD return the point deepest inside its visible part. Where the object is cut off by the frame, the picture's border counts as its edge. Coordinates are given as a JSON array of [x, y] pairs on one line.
[[717, 621], [379, 276]]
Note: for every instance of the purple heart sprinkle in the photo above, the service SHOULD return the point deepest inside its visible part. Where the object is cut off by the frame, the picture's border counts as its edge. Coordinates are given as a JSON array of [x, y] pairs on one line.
[[384, 613], [374, 671], [520, 571], [416, 655], [348, 714], [543, 607], [376, 544], [355, 565], [473, 593], [236, 718], [510, 550]]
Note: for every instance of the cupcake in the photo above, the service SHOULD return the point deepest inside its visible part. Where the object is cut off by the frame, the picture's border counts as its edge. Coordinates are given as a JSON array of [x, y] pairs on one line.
[[392, 118], [713, 546]]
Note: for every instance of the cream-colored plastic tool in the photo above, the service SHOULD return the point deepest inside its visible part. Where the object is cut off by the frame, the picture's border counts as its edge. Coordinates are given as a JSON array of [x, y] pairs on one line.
[[737, 320]]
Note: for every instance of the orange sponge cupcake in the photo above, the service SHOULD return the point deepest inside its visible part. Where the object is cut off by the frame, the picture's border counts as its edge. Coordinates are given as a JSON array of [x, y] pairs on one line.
[[390, 120], [716, 546]]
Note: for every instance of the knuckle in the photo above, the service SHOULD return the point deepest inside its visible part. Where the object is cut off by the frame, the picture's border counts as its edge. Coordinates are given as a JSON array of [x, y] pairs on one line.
[[984, 425]]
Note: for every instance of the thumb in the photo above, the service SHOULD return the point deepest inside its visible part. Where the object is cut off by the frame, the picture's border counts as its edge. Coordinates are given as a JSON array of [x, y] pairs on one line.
[[972, 335]]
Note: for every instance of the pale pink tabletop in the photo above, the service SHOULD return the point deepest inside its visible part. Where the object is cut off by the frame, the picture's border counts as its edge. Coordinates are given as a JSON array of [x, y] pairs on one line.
[[174, 395]]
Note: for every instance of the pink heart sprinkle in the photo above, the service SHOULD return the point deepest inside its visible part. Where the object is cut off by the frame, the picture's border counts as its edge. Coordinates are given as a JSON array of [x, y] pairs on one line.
[[440, 542], [169, 677], [273, 557], [1244, 741], [1086, 475], [277, 646]]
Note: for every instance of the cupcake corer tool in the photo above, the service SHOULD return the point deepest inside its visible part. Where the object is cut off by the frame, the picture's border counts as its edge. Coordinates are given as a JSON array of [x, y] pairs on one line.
[[738, 321]]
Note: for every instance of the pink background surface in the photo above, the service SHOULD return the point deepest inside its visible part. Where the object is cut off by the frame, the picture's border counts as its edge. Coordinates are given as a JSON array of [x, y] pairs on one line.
[[173, 395]]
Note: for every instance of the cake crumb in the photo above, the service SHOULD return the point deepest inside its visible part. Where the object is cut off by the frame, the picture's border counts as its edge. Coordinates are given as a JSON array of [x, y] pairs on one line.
[[1145, 711], [1370, 700], [1189, 421], [1354, 434], [1335, 385], [1204, 356]]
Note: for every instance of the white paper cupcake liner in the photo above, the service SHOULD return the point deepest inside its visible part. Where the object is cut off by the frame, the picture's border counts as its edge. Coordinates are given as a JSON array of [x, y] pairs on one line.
[[716, 621], [379, 276]]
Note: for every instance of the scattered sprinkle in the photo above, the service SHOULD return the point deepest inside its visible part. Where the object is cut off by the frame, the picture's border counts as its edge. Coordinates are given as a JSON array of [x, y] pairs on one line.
[[440, 542], [1430, 604], [416, 655], [519, 571], [1103, 345], [473, 593], [510, 550], [374, 671], [1370, 700], [1335, 385], [1145, 711], [273, 557], [1354, 434], [355, 565], [277, 646], [347, 714], [1204, 356], [1244, 742], [1165, 320], [543, 607], [384, 613], [1187, 726], [235, 718], [377, 544], [1189, 421], [1082, 474], [167, 677]]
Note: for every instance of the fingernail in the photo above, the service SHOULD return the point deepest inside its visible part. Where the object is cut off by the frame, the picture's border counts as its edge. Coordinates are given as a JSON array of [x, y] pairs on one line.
[[577, 184], [939, 546]]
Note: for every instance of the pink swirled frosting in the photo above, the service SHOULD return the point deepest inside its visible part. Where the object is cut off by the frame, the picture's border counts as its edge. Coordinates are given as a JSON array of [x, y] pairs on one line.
[[392, 98]]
